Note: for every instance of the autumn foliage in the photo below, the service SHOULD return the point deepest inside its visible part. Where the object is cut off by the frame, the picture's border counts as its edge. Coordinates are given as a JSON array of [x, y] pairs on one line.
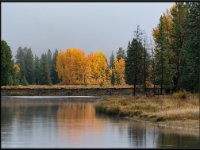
[[74, 67], [71, 65], [119, 71]]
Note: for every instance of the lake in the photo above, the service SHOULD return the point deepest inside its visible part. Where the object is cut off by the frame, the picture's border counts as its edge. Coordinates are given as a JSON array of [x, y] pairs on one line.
[[63, 122]]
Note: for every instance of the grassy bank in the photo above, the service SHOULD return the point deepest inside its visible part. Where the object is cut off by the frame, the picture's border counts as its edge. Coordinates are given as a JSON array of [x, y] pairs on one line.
[[169, 109], [62, 86]]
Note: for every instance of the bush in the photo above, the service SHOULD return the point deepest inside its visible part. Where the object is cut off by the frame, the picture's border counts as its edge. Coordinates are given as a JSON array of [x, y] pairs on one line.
[[100, 108], [114, 110], [180, 95]]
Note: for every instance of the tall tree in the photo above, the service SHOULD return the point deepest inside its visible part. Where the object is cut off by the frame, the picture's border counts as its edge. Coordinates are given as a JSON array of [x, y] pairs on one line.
[[129, 65], [97, 68], [119, 71], [112, 76], [49, 56], [163, 67], [112, 60], [179, 13], [145, 62], [134, 61], [101, 68], [54, 74], [37, 72], [70, 66], [120, 53], [191, 50], [29, 61], [45, 73], [7, 66], [20, 59]]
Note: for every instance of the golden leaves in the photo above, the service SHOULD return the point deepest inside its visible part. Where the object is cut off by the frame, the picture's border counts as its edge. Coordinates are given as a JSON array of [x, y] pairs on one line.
[[74, 68], [17, 69]]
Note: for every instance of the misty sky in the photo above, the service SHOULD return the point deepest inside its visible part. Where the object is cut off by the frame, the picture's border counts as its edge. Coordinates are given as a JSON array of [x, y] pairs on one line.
[[88, 26]]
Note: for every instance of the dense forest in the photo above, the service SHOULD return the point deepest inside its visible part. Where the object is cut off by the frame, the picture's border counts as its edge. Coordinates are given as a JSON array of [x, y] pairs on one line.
[[172, 63]]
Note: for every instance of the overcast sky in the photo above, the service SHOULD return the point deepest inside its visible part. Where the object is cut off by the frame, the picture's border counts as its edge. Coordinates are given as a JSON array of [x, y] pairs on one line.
[[88, 26]]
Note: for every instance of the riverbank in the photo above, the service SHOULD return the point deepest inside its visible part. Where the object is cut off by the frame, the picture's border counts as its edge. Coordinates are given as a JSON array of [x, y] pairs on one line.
[[165, 111], [71, 90], [62, 86]]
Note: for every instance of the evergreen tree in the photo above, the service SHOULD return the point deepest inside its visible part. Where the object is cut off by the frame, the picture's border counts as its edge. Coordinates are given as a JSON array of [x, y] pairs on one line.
[[37, 70], [112, 57], [29, 63], [120, 53], [45, 73], [49, 56], [20, 59], [113, 77], [191, 50], [163, 68], [134, 61], [7, 68], [145, 70], [129, 65], [24, 81], [179, 14], [54, 74], [112, 60]]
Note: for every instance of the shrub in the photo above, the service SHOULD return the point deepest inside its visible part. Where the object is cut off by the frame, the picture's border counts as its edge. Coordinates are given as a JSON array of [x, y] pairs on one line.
[[114, 110], [99, 108], [180, 95]]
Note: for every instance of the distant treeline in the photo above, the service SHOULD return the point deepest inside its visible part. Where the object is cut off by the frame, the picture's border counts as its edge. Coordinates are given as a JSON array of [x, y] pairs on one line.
[[173, 62]]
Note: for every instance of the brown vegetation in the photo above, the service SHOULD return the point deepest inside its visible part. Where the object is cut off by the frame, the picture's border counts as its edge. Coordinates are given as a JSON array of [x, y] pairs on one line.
[[156, 108], [62, 86]]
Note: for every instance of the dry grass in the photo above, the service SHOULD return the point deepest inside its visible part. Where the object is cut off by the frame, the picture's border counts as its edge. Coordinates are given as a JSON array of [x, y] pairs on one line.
[[62, 86], [157, 108]]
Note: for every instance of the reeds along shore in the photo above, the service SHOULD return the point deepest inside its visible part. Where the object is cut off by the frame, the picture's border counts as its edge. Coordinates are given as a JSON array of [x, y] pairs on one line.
[[178, 106]]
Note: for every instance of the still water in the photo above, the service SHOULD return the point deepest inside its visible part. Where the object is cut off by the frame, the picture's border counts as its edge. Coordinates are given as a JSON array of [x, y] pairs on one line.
[[62, 123]]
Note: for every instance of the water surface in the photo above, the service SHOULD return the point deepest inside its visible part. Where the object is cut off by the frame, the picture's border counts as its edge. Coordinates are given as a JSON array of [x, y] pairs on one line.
[[64, 123]]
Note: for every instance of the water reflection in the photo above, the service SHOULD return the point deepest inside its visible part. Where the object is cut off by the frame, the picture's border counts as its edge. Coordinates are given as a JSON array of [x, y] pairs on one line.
[[76, 124], [75, 121]]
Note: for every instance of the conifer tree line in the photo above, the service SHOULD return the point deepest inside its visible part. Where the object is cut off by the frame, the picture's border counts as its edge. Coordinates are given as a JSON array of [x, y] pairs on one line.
[[35, 70], [172, 63], [177, 48]]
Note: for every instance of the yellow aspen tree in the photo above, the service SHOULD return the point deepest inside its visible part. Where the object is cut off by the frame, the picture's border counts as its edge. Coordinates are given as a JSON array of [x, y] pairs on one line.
[[119, 71], [122, 71], [91, 69], [17, 69], [101, 65], [61, 65], [70, 66]]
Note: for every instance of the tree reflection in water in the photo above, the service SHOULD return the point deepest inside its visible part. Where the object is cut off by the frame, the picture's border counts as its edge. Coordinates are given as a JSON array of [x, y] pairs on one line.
[[74, 120], [46, 123]]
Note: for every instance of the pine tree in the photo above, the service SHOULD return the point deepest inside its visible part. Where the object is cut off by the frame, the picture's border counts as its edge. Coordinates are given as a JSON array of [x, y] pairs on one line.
[[112, 60], [191, 54], [7, 68], [179, 14], [120, 54], [128, 65], [49, 56], [37, 73], [20, 59], [29, 62], [113, 77], [45, 73], [134, 61], [54, 74], [163, 68]]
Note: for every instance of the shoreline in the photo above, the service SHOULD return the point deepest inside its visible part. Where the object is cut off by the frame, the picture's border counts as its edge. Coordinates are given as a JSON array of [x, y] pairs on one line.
[[169, 125], [166, 111]]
